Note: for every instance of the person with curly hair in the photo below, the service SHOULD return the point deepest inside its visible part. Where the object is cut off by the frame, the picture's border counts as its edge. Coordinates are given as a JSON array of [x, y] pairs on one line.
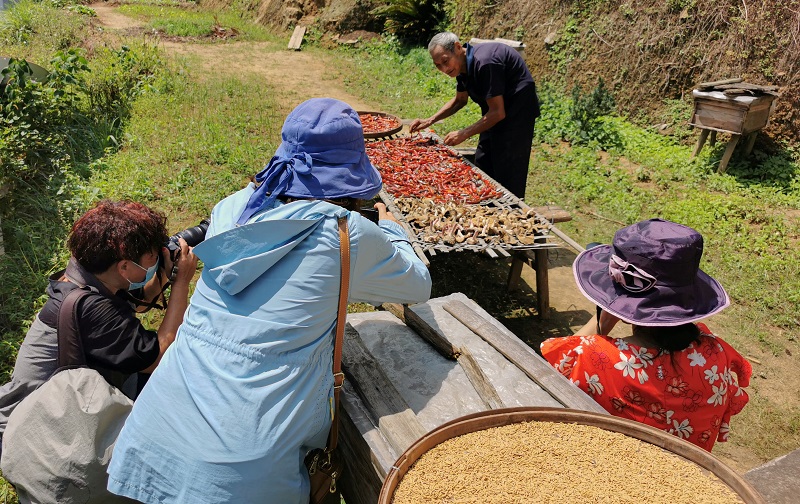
[[115, 249]]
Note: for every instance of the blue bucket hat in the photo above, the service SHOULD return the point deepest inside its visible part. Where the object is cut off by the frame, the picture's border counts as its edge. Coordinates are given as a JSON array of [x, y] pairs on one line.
[[322, 156]]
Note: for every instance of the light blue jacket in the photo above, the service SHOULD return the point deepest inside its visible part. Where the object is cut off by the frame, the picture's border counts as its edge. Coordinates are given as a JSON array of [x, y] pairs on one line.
[[246, 389]]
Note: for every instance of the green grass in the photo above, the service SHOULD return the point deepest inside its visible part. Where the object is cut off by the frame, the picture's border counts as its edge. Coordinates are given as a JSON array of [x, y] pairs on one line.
[[404, 81], [220, 132], [35, 30], [193, 21]]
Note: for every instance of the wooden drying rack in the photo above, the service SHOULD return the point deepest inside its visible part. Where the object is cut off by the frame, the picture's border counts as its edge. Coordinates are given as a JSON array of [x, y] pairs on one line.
[[535, 256]]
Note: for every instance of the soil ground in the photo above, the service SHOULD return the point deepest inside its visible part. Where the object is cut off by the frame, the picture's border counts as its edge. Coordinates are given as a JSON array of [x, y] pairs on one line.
[[481, 278]]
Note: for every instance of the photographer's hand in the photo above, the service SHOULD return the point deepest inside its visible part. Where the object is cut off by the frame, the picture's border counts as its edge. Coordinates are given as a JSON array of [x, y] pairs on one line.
[[186, 265], [178, 300], [384, 214]]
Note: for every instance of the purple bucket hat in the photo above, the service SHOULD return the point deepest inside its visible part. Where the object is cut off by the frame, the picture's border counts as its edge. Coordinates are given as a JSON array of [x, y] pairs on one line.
[[322, 156], [650, 276]]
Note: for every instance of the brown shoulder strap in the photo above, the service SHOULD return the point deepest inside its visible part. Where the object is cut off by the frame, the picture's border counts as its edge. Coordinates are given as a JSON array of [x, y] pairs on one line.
[[70, 346], [344, 289]]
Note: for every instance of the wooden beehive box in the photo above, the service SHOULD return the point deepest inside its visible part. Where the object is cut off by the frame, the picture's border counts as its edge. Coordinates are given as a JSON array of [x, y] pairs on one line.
[[737, 115]]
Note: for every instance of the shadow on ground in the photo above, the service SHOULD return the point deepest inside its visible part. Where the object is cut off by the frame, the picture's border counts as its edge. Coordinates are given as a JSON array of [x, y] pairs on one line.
[[485, 280]]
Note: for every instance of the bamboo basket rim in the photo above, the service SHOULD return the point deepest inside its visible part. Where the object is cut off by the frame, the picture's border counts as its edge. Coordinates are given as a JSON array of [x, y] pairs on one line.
[[381, 134], [506, 416]]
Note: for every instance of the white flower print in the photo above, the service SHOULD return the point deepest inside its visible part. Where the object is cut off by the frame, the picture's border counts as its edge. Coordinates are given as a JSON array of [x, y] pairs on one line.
[[565, 362], [696, 359], [627, 366], [668, 416], [642, 375], [719, 394], [712, 375], [587, 340], [593, 382], [726, 375], [724, 430], [621, 344], [643, 355], [682, 430], [579, 349]]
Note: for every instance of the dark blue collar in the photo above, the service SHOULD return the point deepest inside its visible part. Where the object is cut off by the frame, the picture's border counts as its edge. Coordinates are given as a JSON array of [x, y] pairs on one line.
[[469, 49]]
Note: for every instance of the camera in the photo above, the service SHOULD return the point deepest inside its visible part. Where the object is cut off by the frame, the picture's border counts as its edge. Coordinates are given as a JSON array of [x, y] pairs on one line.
[[193, 236], [370, 213]]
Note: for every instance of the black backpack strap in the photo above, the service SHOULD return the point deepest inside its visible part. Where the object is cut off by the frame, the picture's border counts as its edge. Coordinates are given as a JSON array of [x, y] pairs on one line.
[[70, 346]]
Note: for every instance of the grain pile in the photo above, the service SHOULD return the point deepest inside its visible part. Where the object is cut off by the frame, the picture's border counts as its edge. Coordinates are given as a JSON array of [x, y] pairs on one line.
[[548, 462]]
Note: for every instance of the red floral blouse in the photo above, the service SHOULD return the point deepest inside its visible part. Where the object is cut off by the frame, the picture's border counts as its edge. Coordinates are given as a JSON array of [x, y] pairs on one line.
[[691, 394]]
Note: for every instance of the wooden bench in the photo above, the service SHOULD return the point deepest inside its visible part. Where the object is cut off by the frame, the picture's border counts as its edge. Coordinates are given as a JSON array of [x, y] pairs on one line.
[[537, 259], [412, 368]]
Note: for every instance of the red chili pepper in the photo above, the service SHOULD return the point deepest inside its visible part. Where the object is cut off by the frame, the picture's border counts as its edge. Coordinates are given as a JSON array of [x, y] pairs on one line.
[[420, 167], [376, 123]]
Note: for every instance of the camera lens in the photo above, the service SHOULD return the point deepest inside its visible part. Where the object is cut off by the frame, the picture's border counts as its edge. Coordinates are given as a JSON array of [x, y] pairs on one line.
[[193, 235]]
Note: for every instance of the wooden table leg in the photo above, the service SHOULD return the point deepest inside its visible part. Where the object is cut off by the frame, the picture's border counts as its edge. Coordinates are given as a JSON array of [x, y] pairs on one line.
[[712, 139], [542, 284], [751, 142], [517, 261], [700, 142], [726, 157]]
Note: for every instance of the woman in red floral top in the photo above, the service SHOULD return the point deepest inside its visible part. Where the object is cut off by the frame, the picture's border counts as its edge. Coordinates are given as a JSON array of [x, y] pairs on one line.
[[672, 373]]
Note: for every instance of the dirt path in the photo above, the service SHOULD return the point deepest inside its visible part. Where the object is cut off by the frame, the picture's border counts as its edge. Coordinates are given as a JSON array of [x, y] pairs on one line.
[[299, 75], [111, 19]]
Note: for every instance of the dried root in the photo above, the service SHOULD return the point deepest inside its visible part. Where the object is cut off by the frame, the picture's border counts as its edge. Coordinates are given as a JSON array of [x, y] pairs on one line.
[[451, 223]]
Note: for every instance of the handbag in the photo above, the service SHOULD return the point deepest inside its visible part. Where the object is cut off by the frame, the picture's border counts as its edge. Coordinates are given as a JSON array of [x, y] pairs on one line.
[[324, 465], [59, 439]]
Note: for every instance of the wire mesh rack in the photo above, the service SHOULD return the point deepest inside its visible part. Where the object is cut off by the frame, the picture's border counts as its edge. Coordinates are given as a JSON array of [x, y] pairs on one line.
[[445, 232]]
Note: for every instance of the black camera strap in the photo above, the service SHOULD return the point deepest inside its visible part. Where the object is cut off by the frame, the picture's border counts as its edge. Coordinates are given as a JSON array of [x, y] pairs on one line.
[[149, 305]]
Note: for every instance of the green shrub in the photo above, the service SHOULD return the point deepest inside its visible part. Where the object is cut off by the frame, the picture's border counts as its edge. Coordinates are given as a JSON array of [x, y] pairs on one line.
[[119, 76], [36, 118], [588, 113], [43, 20], [413, 20]]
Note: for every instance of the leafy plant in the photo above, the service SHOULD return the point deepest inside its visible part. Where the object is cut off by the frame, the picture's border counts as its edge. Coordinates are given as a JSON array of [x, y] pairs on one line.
[[588, 112], [36, 118], [412, 20]]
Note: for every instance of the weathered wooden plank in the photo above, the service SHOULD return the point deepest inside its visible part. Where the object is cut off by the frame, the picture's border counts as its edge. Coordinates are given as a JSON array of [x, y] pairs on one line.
[[437, 340], [746, 86], [448, 349], [366, 453], [489, 396], [533, 365], [396, 421], [726, 157], [297, 37], [712, 84], [553, 213], [542, 279], [700, 142], [491, 253], [515, 272]]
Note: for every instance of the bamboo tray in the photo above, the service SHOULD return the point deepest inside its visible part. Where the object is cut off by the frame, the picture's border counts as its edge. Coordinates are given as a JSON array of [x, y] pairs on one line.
[[384, 133], [501, 417]]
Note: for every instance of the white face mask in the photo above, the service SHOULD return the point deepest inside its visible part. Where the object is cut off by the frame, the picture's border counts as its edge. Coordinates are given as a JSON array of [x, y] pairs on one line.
[[150, 273]]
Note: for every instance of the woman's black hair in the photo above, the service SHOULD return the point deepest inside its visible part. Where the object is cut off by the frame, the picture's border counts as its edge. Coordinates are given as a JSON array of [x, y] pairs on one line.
[[670, 339]]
